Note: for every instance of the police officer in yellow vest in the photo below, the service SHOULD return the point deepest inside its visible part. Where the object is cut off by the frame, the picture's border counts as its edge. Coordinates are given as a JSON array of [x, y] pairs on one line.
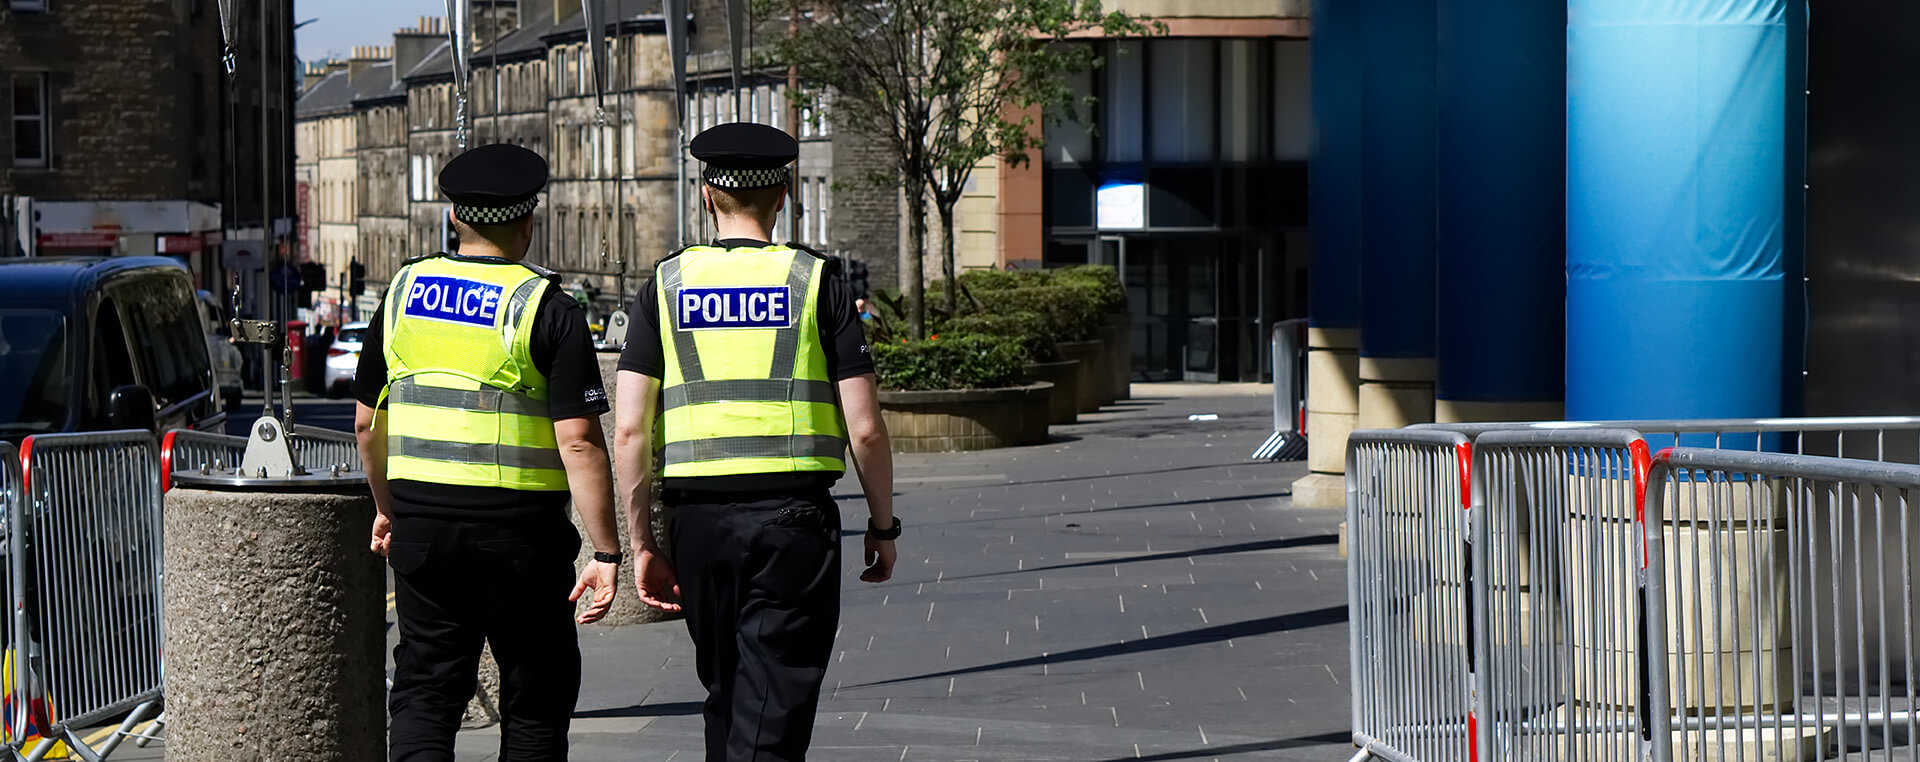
[[749, 361], [478, 417]]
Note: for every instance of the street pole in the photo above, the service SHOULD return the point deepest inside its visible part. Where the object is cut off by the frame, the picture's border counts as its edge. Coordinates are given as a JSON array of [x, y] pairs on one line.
[[793, 128]]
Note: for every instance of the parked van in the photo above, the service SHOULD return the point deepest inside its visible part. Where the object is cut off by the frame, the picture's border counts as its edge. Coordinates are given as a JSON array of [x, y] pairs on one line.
[[100, 343]]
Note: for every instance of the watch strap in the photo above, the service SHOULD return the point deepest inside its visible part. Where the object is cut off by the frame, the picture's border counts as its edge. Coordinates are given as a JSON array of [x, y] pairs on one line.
[[891, 533], [609, 558]]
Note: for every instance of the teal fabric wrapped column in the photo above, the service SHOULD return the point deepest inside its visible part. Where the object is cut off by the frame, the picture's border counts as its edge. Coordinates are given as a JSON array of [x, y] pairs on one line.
[[1397, 202], [1680, 182], [1502, 238], [1333, 310]]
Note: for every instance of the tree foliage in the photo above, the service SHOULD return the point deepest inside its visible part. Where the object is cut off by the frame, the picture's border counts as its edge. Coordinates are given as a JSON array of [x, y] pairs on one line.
[[947, 84]]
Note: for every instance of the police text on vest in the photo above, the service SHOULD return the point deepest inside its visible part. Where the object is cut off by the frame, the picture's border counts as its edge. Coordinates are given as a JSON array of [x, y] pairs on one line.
[[454, 300], [701, 309]]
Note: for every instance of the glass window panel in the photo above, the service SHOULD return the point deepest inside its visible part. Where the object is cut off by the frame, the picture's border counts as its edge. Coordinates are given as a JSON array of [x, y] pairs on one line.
[[1071, 142], [1242, 107], [1180, 197], [26, 95], [1120, 112], [1183, 93], [1292, 112], [1069, 198]]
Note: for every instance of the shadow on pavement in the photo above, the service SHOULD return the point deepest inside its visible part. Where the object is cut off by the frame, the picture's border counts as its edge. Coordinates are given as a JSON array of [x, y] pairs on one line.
[[668, 709], [1241, 547], [1215, 751], [1085, 511], [1204, 635]]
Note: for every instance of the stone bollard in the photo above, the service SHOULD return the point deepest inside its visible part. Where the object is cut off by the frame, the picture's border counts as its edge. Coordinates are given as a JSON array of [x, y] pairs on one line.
[[627, 608], [274, 626]]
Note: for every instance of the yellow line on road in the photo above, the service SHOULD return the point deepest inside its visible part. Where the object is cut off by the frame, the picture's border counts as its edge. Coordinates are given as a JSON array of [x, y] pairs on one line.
[[101, 734]]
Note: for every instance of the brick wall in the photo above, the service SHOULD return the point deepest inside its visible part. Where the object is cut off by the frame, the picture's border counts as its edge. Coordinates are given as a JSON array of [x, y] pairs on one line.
[[866, 218]]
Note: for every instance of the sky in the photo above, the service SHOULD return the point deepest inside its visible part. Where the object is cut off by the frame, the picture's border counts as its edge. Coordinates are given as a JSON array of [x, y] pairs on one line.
[[342, 24]]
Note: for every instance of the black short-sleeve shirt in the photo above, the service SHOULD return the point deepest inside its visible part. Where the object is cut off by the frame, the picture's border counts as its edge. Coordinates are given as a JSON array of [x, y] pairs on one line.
[[842, 340], [562, 349]]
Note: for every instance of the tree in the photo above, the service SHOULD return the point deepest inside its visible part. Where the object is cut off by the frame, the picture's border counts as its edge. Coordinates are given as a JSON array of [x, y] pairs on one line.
[[947, 83]]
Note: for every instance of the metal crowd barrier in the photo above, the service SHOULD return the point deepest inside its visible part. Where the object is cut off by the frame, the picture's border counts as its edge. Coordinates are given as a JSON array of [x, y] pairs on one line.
[[1790, 625], [84, 546], [315, 449], [1407, 538], [1706, 604]]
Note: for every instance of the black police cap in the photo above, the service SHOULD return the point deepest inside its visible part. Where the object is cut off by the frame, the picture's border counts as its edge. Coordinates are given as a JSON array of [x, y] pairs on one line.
[[494, 184], [744, 155]]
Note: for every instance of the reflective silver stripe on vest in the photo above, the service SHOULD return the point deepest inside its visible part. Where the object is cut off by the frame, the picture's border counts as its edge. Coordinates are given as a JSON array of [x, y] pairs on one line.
[[510, 456], [406, 391], [516, 306], [683, 348], [747, 390], [725, 448], [787, 344]]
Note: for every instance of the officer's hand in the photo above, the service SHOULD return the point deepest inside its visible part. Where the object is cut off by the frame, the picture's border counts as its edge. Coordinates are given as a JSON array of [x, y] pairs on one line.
[[382, 533], [600, 576], [880, 555], [659, 587]]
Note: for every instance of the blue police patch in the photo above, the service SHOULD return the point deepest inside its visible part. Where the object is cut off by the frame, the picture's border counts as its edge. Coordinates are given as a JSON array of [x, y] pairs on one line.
[[455, 300], [701, 309]]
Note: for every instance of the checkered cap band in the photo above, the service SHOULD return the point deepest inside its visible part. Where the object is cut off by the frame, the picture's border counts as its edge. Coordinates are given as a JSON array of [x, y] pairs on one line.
[[494, 215], [739, 179]]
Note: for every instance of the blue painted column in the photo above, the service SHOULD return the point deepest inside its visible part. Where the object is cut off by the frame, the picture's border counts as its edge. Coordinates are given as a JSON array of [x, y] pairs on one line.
[[1333, 311], [1397, 202], [1677, 194], [1502, 239]]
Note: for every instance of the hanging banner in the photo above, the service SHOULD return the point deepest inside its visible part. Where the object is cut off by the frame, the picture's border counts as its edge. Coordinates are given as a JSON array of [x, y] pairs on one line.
[[737, 38], [676, 12], [596, 17]]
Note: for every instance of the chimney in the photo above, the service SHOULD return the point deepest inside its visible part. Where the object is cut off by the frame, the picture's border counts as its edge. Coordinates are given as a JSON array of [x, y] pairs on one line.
[[312, 76], [565, 9], [363, 56], [411, 46]]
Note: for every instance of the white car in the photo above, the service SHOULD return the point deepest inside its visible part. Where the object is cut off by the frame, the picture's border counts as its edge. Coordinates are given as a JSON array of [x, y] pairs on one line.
[[343, 358]]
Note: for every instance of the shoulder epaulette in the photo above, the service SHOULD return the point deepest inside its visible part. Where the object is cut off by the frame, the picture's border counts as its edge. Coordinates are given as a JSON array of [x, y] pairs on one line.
[[676, 252], [421, 258], [808, 249], [541, 271]]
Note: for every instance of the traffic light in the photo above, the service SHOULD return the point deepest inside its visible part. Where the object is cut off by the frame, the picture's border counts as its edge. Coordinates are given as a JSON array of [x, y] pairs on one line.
[[356, 278]]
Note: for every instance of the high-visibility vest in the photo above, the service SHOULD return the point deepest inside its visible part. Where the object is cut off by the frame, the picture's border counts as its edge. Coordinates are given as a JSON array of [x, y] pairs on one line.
[[465, 404], [747, 390]]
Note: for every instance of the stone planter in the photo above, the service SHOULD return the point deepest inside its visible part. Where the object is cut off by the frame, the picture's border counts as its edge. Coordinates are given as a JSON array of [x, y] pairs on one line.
[[966, 419], [1064, 402], [1093, 382], [1117, 334]]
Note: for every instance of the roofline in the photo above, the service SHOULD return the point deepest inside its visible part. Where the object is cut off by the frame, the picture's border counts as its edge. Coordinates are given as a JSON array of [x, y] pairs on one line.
[[649, 24]]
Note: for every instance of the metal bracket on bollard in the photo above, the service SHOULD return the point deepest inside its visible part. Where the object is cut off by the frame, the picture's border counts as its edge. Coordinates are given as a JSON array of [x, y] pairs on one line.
[[269, 466]]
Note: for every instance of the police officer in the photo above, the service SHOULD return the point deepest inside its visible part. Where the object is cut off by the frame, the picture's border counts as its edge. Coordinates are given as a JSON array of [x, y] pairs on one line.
[[479, 416], [749, 358]]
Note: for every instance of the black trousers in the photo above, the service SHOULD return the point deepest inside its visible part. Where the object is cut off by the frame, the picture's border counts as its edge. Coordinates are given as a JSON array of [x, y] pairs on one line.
[[760, 580], [459, 583]]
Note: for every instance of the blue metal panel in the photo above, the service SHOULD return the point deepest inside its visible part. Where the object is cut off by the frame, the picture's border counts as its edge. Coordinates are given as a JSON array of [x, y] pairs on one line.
[[1502, 181], [1338, 60], [1676, 194], [1397, 181]]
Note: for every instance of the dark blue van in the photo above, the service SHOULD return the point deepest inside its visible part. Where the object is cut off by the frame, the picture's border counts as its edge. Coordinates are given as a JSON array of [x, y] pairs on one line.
[[100, 343]]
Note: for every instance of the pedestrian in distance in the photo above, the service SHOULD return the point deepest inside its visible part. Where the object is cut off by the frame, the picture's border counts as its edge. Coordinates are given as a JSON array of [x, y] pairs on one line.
[[750, 360], [478, 417]]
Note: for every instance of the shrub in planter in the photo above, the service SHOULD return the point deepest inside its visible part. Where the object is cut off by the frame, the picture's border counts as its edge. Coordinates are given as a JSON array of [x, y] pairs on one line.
[[999, 279], [1028, 329], [949, 362], [1102, 281], [1070, 312]]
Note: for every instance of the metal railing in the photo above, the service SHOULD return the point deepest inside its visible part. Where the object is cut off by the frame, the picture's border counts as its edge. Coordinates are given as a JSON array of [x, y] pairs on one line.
[[1407, 538], [85, 548], [315, 449], [1705, 604]]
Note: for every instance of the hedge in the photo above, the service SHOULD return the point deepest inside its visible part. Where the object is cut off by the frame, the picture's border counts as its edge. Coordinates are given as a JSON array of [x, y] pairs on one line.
[[949, 362], [1025, 328]]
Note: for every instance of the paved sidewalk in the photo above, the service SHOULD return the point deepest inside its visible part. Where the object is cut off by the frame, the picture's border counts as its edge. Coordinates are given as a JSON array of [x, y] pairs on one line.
[[1137, 589]]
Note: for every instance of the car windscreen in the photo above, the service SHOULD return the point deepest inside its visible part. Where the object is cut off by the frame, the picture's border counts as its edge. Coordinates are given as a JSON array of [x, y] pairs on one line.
[[35, 372], [350, 335]]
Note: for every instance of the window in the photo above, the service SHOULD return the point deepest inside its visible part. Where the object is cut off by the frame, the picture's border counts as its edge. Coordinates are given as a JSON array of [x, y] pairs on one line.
[[1292, 108], [30, 116], [1183, 100], [32, 5]]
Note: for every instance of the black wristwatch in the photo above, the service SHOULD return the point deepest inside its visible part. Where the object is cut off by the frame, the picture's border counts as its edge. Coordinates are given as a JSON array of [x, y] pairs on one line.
[[884, 534], [609, 558]]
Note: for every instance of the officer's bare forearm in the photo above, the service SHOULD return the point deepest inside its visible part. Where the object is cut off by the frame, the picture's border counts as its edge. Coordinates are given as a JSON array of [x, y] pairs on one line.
[[635, 400], [583, 449], [872, 448], [370, 429]]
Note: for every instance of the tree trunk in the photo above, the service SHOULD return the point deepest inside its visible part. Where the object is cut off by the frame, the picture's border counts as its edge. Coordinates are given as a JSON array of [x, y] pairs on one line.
[[917, 258], [946, 252]]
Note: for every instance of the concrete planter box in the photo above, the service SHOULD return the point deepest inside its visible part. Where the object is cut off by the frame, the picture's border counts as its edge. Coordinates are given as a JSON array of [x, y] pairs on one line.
[[1117, 334], [1065, 377], [966, 419], [1093, 379]]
